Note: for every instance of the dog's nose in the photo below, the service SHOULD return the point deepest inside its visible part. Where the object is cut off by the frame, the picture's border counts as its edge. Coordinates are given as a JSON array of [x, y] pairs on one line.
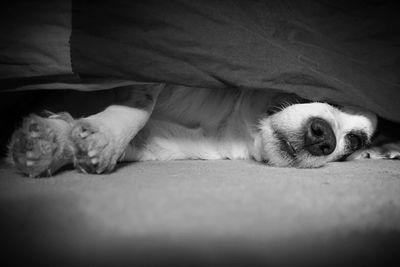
[[319, 138]]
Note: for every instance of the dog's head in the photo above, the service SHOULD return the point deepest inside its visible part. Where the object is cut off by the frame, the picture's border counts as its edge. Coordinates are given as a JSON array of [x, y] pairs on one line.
[[310, 135]]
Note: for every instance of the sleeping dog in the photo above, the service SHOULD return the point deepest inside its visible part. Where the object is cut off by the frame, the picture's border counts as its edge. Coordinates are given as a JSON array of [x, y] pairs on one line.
[[175, 122]]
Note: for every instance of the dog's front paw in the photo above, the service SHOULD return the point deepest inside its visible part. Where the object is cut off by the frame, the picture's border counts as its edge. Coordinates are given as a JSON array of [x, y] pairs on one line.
[[95, 147], [386, 151], [40, 146]]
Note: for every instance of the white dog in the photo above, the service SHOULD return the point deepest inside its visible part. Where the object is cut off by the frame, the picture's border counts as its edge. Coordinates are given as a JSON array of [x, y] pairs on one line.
[[175, 122]]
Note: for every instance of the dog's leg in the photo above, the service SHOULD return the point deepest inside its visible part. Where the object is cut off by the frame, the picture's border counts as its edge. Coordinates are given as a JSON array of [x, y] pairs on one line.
[[384, 151], [101, 139], [385, 145], [42, 146]]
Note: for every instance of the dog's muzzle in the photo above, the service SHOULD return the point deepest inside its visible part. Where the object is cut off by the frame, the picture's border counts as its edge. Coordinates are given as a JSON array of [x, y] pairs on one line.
[[319, 138]]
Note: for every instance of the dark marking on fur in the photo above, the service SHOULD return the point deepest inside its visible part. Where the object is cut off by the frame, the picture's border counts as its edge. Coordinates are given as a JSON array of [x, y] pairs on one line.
[[360, 136]]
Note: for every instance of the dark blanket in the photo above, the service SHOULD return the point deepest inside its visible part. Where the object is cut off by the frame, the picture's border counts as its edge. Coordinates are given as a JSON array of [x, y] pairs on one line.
[[335, 51]]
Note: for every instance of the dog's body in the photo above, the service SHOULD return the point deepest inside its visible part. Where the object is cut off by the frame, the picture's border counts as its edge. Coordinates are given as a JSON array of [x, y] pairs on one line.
[[157, 123]]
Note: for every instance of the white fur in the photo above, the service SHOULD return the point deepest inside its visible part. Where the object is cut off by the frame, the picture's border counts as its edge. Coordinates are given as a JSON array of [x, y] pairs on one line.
[[193, 123], [290, 121], [177, 122]]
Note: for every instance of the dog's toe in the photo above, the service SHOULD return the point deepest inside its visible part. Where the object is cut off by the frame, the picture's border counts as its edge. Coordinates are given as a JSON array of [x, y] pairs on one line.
[[32, 147], [94, 151]]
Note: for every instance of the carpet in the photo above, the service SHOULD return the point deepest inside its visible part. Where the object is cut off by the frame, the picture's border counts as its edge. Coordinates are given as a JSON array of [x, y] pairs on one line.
[[204, 213]]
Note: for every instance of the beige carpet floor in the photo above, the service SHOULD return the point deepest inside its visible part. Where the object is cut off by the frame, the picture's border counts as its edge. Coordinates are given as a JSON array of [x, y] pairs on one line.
[[205, 213]]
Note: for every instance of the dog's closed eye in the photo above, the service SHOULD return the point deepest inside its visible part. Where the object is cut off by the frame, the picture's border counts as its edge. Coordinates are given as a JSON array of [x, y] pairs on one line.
[[356, 141]]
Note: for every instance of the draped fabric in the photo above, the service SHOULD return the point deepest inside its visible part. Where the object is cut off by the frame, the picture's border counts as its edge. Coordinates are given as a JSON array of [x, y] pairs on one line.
[[342, 52]]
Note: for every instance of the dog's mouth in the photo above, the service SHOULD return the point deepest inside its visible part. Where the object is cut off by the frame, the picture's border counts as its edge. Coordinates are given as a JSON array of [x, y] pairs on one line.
[[286, 146]]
